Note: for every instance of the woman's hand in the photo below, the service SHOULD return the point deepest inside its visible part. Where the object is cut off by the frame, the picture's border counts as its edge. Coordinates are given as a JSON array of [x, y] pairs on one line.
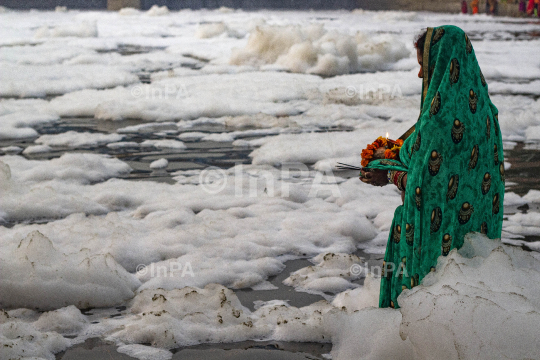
[[374, 177]]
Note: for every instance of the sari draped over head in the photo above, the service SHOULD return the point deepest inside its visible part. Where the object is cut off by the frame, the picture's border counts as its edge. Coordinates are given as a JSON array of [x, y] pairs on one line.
[[454, 160]]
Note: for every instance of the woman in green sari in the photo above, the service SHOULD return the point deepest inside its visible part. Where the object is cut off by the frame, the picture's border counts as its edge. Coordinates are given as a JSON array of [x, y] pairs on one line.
[[450, 167]]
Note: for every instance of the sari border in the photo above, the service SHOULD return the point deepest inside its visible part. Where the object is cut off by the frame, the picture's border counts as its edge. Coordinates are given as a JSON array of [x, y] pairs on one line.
[[425, 75], [425, 63]]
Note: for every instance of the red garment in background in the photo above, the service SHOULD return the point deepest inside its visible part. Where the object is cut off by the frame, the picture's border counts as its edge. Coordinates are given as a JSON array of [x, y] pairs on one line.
[[530, 7], [474, 6]]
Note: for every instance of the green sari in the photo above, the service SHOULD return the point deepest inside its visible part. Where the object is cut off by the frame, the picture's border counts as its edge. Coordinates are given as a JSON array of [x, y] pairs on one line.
[[454, 160]]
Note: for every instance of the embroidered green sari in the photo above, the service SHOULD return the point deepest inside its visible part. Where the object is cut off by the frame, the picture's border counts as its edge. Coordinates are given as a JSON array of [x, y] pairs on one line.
[[454, 160]]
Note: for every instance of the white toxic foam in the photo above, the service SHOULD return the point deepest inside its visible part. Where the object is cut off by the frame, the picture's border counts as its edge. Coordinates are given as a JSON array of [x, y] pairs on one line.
[[50, 279], [456, 312], [37, 149], [159, 164], [332, 273], [17, 118], [156, 10], [312, 49], [165, 144], [39, 81], [75, 139], [20, 339], [82, 29], [188, 316], [81, 168], [210, 30]]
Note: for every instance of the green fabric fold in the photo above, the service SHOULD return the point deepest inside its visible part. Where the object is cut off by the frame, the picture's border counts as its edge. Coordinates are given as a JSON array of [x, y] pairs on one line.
[[454, 160], [386, 164]]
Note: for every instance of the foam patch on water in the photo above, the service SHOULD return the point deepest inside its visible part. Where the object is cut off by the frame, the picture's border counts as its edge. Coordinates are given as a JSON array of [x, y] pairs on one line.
[[156, 10], [82, 29], [191, 98], [271, 321], [517, 115], [159, 164], [463, 303], [37, 149], [75, 139], [47, 189], [332, 273], [18, 117], [164, 144], [21, 339], [80, 168], [310, 148], [65, 321], [239, 232], [39, 81], [369, 334], [456, 312], [205, 31], [49, 279], [363, 297], [169, 319], [42, 54], [313, 50], [144, 352]]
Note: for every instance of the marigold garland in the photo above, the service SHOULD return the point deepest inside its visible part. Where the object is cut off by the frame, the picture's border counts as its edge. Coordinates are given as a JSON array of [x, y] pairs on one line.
[[389, 153]]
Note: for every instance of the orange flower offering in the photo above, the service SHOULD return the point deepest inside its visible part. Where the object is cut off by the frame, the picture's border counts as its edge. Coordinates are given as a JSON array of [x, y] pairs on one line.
[[391, 151]]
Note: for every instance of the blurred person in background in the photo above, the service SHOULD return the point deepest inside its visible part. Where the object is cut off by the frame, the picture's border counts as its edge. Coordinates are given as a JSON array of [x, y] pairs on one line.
[[464, 7], [474, 6], [522, 7], [532, 8], [492, 7]]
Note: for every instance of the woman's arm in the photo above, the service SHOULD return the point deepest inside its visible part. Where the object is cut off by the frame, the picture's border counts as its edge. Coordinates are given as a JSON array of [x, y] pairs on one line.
[[377, 177], [374, 177]]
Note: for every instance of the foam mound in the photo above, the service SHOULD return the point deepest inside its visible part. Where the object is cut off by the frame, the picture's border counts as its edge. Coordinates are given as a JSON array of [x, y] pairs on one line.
[[21, 340], [156, 10], [188, 316], [311, 49], [76, 139], [205, 31], [37, 275], [482, 302], [81, 168], [82, 29], [332, 273]]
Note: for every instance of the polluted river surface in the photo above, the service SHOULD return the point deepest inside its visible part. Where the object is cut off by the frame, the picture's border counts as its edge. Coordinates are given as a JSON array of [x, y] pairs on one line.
[[523, 175], [170, 189]]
